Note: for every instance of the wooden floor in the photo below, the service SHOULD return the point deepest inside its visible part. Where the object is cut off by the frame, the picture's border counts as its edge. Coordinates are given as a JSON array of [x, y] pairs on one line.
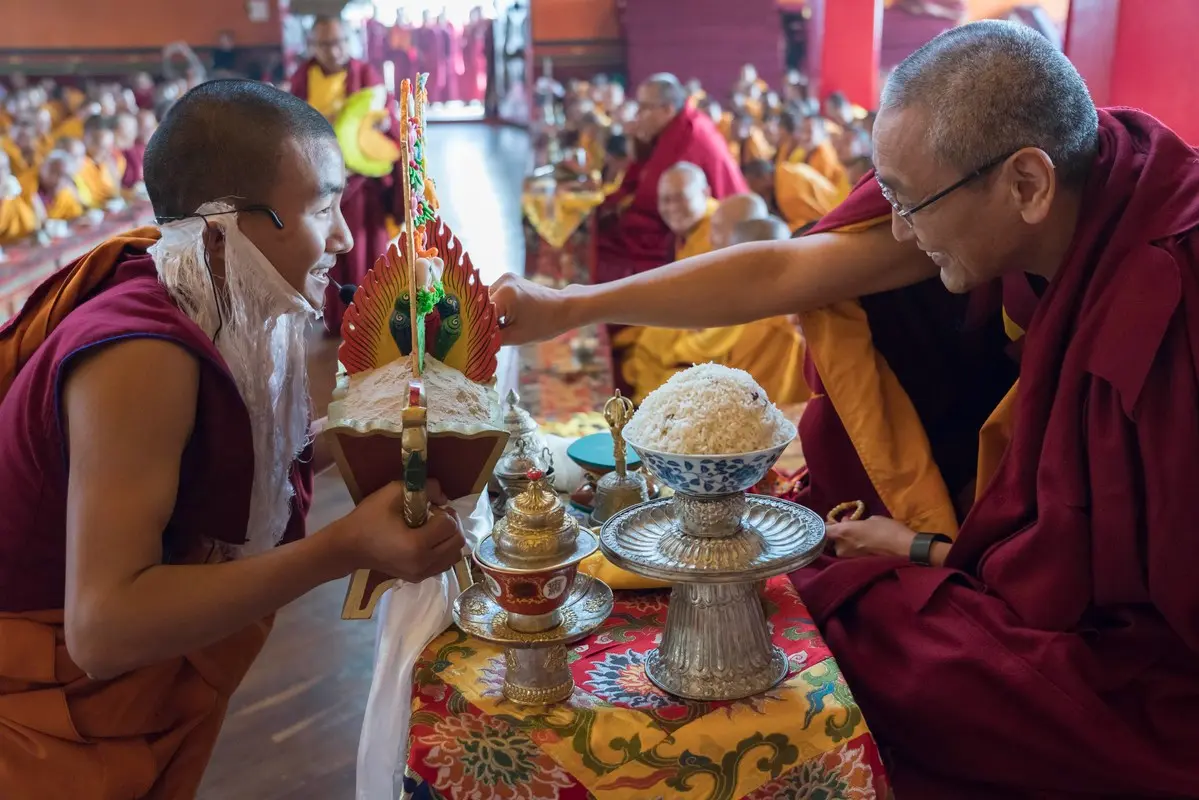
[[292, 730]]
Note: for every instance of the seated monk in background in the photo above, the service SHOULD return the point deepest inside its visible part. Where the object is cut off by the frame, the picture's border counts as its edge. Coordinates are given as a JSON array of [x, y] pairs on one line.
[[820, 154], [20, 215], [764, 229], [24, 155], [56, 187], [748, 142], [1052, 650], [126, 140], [100, 172], [796, 192], [771, 350], [155, 458], [633, 237], [326, 80]]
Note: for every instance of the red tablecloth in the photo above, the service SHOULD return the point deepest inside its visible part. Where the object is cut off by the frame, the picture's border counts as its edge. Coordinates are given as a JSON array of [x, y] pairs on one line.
[[620, 737]]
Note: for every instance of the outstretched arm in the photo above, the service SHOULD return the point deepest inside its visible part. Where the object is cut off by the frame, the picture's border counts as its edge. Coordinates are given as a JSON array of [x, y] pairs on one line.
[[726, 287], [130, 409]]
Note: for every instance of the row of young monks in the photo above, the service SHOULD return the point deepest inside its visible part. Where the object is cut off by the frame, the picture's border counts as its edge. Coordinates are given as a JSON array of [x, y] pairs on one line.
[[1040, 415], [67, 160]]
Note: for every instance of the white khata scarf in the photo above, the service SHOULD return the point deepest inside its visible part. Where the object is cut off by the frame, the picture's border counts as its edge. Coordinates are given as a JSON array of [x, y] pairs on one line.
[[258, 323]]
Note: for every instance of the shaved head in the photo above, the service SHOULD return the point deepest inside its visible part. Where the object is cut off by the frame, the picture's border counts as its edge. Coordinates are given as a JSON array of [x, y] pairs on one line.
[[766, 229], [665, 89], [224, 139], [991, 88], [733, 211], [683, 196]]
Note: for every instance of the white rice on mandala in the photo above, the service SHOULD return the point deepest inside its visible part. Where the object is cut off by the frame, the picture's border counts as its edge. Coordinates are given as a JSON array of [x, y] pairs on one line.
[[377, 397], [709, 409]]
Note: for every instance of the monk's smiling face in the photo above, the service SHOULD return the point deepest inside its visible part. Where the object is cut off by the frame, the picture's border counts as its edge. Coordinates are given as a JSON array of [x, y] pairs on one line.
[[682, 199], [979, 230], [306, 195]]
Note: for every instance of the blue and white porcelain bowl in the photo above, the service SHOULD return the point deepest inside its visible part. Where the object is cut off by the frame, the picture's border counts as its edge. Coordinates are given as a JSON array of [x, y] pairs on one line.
[[710, 476]]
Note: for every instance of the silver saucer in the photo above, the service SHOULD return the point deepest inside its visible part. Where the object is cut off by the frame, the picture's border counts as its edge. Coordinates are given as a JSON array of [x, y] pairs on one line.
[[587, 606], [774, 537]]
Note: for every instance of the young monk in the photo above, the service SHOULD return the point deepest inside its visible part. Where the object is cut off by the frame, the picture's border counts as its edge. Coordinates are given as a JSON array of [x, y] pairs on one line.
[[56, 186], [20, 215], [126, 140], [1053, 649], [99, 176], [155, 458]]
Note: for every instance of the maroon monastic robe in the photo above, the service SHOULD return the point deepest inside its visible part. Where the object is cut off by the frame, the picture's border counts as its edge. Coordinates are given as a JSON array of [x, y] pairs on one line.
[[1057, 652], [637, 239], [430, 58], [473, 86], [135, 159], [365, 204], [149, 732]]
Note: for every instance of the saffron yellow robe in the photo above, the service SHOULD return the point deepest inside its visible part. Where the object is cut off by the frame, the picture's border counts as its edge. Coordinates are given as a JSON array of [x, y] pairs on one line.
[[65, 205], [802, 195], [22, 168], [771, 350], [96, 184], [326, 93], [18, 219], [823, 159]]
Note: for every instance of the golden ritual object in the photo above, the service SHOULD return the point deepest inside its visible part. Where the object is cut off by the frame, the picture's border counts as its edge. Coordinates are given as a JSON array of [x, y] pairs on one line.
[[618, 489], [403, 311], [532, 599]]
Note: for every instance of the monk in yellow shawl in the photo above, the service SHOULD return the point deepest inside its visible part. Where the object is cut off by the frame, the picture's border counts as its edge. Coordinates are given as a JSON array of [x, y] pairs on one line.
[[771, 350], [19, 214], [796, 192], [99, 176], [57, 189], [21, 147]]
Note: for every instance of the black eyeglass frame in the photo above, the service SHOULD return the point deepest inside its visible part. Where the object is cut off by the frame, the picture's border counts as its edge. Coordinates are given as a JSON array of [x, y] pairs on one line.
[[906, 213], [274, 215]]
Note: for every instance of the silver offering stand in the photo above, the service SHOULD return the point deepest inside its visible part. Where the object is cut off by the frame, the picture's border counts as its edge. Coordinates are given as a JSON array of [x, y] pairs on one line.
[[532, 599], [716, 550], [536, 672], [526, 450]]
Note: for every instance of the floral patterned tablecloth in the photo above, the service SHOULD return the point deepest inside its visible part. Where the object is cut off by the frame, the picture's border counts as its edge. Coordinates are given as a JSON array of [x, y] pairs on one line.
[[620, 737]]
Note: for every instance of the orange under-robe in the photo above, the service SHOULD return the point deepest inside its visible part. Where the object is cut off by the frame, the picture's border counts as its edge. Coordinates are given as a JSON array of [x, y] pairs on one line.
[[771, 350], [24, 169], [149, 732]]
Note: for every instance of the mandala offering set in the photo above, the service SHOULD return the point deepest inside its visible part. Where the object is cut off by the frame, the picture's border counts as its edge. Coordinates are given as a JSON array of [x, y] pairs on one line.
[[415, 400]]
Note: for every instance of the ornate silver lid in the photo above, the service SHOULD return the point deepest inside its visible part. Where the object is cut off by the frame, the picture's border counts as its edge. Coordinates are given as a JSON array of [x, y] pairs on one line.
[[536, 526]]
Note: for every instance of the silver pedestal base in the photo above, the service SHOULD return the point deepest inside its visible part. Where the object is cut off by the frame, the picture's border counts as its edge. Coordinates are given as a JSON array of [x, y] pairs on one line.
[[716, 645], [537, 676]]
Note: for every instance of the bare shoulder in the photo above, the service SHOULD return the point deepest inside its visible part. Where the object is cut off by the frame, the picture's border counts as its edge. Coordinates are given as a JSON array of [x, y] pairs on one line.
[[141, 390]]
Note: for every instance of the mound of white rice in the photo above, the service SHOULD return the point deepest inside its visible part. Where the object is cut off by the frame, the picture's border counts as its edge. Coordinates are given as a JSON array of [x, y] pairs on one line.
[[709, 409]]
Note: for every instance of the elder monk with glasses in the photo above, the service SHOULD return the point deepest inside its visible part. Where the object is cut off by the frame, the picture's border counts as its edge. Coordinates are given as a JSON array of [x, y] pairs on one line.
[[1017, 614]]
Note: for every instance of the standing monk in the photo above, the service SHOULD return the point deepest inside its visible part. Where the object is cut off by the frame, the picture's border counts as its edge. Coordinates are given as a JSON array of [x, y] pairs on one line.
[[1053, 649], [325, 80], [634, 238], [155, 458]]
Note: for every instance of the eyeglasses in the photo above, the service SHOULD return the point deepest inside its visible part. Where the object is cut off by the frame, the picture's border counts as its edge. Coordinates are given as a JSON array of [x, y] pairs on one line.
[[906, 213], [278, 223]]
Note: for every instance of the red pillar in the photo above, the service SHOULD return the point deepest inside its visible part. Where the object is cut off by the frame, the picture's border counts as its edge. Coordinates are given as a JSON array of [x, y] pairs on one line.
[[844, 51], [1141, 55]]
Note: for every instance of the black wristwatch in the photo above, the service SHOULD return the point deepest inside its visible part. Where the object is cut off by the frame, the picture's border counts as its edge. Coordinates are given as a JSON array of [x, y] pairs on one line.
[[922, 547]]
